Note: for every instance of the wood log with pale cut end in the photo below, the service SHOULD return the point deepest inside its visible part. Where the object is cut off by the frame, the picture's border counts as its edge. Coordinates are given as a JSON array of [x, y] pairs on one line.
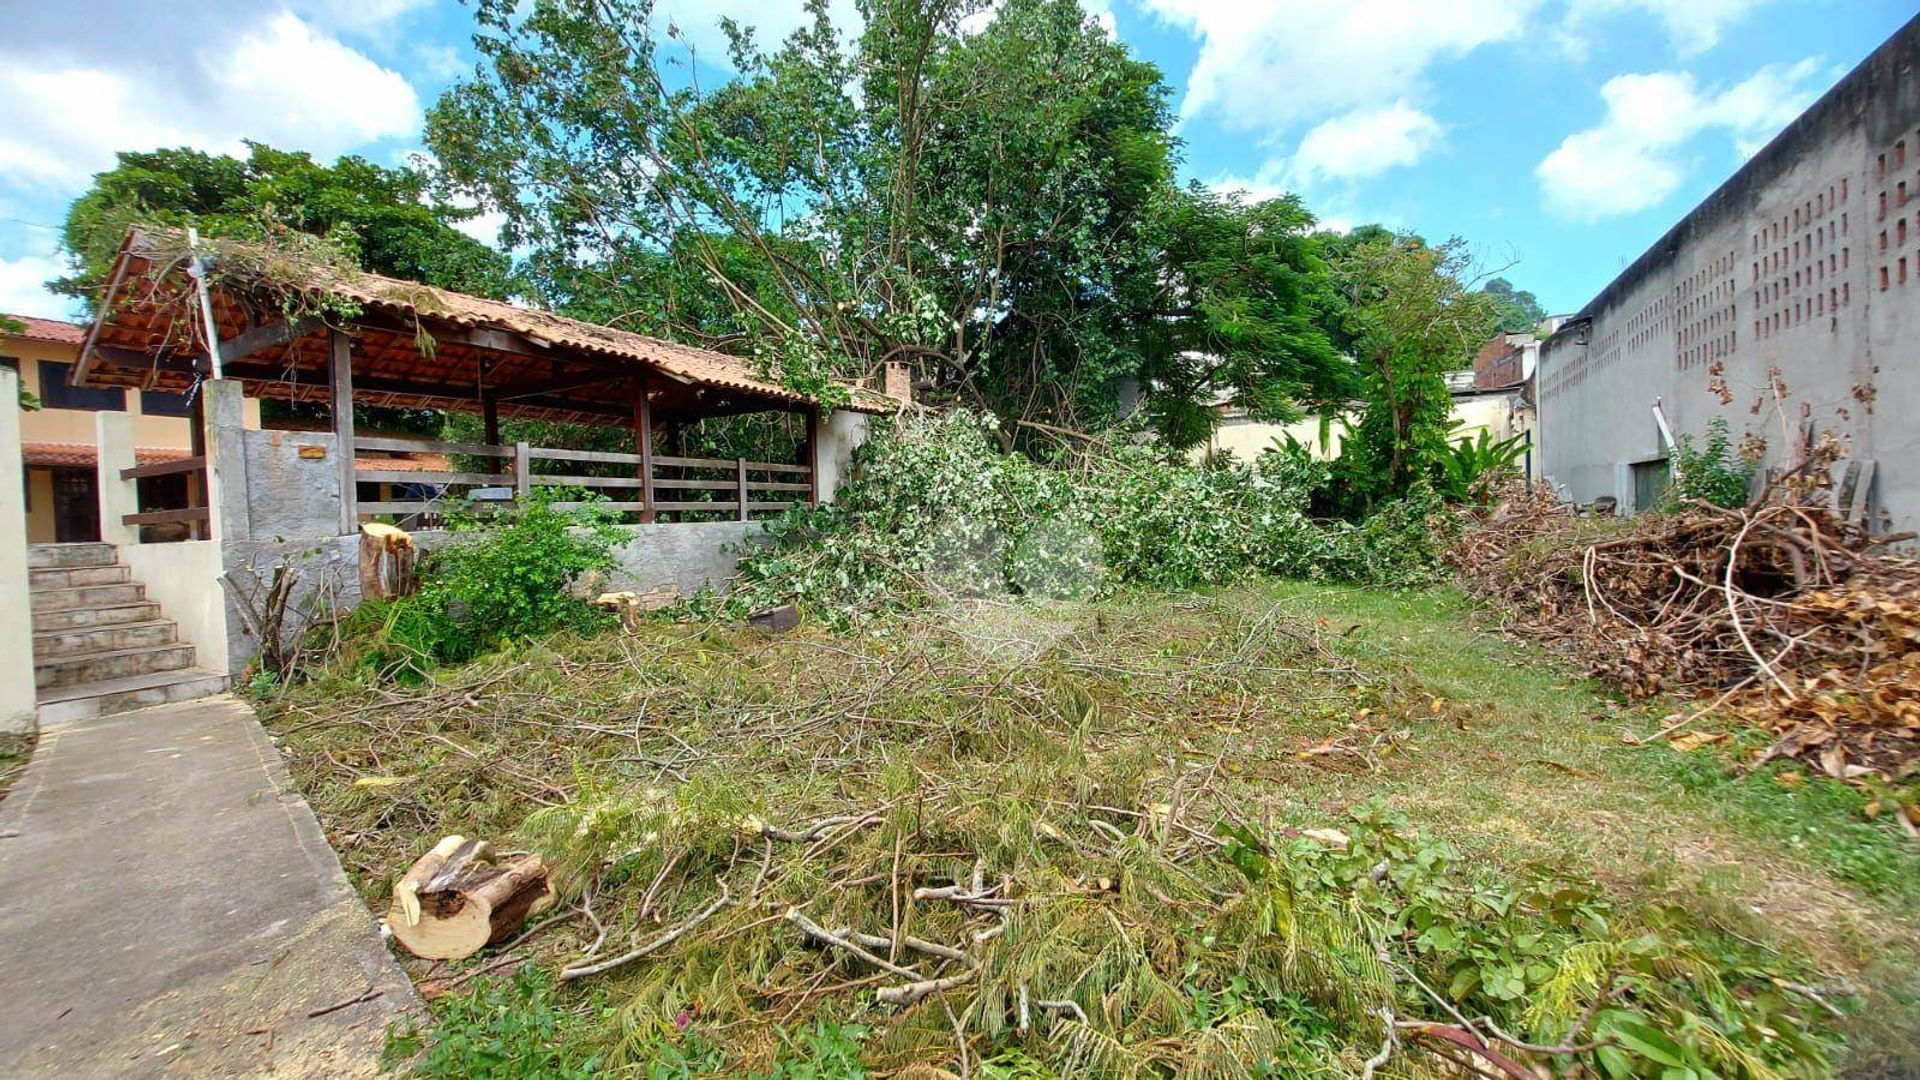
[[387, 557], [455, 900]]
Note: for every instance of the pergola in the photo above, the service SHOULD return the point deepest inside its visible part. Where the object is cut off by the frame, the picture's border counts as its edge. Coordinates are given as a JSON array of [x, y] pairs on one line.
[[362, 338]]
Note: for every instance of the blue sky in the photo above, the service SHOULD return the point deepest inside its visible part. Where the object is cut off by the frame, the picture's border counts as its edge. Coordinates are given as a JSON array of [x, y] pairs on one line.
[[1563, 136]]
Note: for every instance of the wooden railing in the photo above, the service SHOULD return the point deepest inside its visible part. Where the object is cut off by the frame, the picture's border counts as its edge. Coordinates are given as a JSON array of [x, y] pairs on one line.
[[745, 483], [194, 517]]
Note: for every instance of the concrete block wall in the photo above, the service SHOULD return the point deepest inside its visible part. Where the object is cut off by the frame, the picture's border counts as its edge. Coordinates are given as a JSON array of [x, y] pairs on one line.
[[1780, 269]]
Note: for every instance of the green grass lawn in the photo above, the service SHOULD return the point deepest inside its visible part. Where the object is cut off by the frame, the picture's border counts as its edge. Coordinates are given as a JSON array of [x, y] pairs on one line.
[[1211, 816]]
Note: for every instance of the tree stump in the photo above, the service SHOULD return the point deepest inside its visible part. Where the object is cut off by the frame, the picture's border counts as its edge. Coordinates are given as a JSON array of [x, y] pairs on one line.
[[386, 561], [454, 901]]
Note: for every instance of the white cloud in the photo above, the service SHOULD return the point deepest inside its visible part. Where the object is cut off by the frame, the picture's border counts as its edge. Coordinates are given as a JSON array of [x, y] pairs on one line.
[[67, 101], [1636, 157], [1266, 65], [1693, 25], [1366, 142], [22, 291]]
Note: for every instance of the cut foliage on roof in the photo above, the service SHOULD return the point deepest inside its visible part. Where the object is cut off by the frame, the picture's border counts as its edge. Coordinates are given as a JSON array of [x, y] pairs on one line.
[[416, 346]]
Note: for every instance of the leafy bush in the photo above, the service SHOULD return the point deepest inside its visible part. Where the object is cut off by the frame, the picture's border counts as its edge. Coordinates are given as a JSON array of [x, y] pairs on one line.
[[505, 578], [1467, 463], [939, 511], [1712, 470]]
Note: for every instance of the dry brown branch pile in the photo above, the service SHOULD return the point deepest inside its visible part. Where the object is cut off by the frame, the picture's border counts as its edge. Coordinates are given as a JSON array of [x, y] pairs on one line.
[[1782, 614]]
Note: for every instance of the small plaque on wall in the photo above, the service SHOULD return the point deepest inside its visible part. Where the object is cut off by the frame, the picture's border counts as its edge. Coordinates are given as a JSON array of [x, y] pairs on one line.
[[313, 453]]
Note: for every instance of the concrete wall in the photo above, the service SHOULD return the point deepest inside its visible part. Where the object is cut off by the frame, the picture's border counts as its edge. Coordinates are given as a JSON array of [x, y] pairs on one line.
[[841, 433], [17, 707], [184, 579], [1783, 268]]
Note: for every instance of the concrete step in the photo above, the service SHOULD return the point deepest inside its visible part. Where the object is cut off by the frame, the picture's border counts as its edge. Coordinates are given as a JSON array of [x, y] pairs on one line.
[[47, 622], [88, 596], [113, 664], [68, 556], [66, 704], [76, 577], [111, 637]]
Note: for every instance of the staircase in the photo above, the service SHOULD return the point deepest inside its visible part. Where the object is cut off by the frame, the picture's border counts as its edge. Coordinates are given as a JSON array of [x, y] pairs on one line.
[[99, 645]]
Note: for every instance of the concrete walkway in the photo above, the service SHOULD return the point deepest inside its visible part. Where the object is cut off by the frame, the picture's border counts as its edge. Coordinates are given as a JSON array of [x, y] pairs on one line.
[[169, 907]]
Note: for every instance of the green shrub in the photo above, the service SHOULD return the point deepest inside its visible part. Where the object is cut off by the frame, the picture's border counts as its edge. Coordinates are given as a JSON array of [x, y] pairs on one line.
[[1712, 470], [504, 578]]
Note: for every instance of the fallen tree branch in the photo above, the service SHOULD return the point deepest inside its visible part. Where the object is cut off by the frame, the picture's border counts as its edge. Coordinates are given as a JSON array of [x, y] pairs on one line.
[[661, 942]]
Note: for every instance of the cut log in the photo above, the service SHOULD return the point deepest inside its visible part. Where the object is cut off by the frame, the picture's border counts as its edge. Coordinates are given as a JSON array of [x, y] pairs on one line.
[[386, 561], [455, 900]]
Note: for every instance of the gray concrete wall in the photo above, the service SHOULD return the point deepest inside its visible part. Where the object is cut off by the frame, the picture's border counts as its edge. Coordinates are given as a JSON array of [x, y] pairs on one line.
[[688, 556], [1780, 269]]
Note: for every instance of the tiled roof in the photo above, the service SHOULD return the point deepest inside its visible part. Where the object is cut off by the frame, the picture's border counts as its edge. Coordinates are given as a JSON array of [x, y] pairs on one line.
[[63, 333], [420, 463], [410, 300], [51, 455]]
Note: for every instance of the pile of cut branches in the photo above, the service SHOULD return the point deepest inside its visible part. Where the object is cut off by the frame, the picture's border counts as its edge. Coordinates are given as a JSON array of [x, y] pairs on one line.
[[1783, 613]]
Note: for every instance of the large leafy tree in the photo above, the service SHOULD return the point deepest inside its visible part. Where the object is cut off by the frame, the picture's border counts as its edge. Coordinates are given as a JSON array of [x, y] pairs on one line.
[[1516, 311], [993, 204], [1412, 316], [381, 217]]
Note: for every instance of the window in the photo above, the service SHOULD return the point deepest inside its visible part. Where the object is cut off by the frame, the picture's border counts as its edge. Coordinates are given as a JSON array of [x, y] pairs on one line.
[[57, 394], [164, 403]]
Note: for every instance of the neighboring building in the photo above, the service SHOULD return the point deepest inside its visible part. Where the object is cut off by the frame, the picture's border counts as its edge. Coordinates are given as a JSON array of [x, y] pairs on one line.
[[1806, 263], [1502, 411], [57, 441]]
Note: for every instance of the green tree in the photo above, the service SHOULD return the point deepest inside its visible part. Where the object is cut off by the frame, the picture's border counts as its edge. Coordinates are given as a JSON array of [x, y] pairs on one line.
[[994, 206], [1515, 311], [381, 217], [1412, 316]]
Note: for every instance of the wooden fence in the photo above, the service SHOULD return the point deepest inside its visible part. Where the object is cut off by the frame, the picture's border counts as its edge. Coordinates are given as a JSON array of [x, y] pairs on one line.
[[748, 486], [194, 517]]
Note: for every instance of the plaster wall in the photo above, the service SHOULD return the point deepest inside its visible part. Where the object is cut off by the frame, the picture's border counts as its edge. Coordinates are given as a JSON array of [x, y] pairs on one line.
[[184, 579], [1805, 263], [17, 706]]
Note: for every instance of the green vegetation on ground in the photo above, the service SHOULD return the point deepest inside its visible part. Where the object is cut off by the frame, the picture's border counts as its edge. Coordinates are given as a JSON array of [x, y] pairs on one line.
[[1231, 826]]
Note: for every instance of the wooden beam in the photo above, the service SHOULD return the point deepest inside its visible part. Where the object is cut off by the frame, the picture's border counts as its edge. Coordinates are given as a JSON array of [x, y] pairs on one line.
[[643, 423], [340, 359], [260, 338], [490, 418]]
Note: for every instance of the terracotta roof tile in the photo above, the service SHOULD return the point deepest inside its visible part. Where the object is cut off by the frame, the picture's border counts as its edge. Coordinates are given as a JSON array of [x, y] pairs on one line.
[[51, 455], [54, 330]]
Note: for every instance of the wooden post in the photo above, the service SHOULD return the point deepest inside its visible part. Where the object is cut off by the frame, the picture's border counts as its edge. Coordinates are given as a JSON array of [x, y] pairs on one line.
[[740, 464], [813, 456], [490, 418], [522, 472], [341, 358], [643, 434]]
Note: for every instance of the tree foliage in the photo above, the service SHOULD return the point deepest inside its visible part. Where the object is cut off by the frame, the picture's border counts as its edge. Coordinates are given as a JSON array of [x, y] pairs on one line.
[[1412, 317], [381, 218], [988, 195], [1515, 311]]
